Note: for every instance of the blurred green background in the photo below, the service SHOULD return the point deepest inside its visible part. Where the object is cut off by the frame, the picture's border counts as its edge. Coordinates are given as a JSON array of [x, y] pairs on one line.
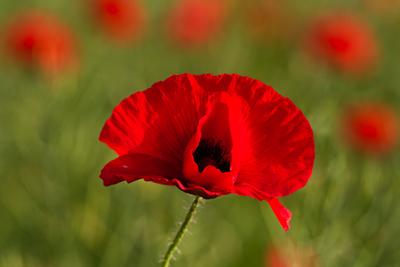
[[54, 210]]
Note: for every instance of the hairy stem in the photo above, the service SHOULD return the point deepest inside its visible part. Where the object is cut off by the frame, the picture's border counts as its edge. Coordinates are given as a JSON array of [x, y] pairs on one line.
[[166, 261]]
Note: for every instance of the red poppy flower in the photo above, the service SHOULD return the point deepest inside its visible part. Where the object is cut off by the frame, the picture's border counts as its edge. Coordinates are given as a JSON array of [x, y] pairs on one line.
[[195, 22], [371, 127], [289, 256], [40, 40], [211, 136], [344, 41], [120, 19]]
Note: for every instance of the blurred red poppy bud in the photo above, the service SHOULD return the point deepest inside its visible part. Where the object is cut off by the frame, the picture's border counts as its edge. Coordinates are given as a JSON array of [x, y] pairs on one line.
[[371, 127], [122, 20], [41, 41], [343, 41], [196, 22]]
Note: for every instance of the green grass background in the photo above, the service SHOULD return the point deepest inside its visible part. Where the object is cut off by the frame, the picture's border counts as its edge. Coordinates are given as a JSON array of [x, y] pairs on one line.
[[54, 210]]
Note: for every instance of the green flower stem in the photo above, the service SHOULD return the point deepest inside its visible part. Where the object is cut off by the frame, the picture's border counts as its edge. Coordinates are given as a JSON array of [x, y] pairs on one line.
[[166, 261]]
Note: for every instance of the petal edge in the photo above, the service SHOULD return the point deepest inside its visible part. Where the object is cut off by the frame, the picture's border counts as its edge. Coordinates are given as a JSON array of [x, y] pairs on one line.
[[282, 214]]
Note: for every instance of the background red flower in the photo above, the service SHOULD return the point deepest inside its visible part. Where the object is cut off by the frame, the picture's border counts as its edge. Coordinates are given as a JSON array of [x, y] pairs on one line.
[[344, 41], [371, 127], [41, 40], [122, 20], [196, 22]]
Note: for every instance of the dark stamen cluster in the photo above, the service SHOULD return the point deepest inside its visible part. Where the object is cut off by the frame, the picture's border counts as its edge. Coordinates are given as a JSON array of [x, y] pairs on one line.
[[212, 152]]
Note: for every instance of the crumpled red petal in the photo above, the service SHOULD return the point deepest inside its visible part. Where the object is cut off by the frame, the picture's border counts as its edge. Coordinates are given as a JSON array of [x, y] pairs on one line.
[[132, 167], [279, 154], [283, 214], [158, 121], [282, 149]]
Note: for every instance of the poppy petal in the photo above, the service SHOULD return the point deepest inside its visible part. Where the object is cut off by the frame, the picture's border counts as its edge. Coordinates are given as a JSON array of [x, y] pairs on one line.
[[132, 167], [159, 121], [283, 214], [188, 188], [279, 154]]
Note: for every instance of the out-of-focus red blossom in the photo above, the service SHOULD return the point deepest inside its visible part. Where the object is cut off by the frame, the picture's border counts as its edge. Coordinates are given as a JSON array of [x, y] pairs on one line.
[[290, 256], [40, 40], [344, 41], [122, 20], [193, 23], [371, 127], [211, 136], [269, 20]]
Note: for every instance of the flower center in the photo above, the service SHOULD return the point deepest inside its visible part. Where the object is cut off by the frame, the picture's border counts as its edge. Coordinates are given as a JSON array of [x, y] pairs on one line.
[[214, 153]]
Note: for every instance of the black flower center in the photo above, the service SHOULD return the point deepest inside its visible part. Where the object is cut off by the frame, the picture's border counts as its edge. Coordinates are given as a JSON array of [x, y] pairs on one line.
[[212, 152]]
